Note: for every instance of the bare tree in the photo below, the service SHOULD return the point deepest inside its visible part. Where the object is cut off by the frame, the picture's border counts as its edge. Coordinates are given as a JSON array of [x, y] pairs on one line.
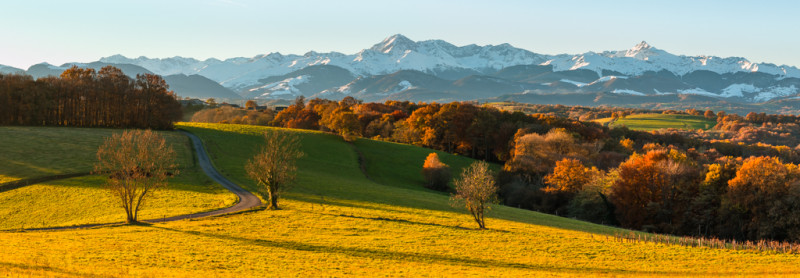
[[138, 162], [477, 190], [275, 167]]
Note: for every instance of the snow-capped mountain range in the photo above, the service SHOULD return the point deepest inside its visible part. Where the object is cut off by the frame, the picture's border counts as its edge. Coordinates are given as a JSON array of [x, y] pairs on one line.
[[436, 56], [400, 68]]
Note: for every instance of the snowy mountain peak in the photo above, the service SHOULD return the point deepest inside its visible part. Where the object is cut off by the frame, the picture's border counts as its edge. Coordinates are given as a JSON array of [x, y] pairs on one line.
[[642, 51], [114, 58], [396, 43], [641, 45]]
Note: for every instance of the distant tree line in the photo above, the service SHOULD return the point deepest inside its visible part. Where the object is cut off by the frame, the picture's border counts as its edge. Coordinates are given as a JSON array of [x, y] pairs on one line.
[[88, 98], [233, 115], [481, 132]]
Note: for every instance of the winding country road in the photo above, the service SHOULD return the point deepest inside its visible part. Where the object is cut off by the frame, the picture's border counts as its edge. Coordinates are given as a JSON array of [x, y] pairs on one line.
[[246, 199]]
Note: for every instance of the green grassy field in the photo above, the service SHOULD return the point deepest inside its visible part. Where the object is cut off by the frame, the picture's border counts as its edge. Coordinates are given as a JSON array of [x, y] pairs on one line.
[[29, 152], [336, 222], [650, 122], [401, 165], [41, 151]]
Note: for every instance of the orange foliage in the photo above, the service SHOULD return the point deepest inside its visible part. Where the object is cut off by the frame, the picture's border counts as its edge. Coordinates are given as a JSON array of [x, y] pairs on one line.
[[651, 187], [570, 176], [436, 173]]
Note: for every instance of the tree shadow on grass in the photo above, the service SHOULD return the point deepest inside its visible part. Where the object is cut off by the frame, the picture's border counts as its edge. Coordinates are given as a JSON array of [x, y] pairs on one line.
[[51, 270], [504, 212], [331, 201], [439, 258], [397, 220], [404, 221]]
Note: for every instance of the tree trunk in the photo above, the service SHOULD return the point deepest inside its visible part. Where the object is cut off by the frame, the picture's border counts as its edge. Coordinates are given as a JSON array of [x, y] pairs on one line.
[[131, 218], [273, 202]]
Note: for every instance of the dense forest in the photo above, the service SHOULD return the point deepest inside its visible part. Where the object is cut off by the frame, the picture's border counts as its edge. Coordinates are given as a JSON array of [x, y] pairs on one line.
[[739, 180], [88, 98]]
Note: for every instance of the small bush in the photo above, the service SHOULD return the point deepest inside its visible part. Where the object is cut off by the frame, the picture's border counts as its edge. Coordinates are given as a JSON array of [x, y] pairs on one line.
[[437, 174]]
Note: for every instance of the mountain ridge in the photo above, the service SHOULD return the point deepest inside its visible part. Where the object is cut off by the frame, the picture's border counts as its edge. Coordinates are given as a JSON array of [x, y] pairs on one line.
[[398, 52], [436, 70]]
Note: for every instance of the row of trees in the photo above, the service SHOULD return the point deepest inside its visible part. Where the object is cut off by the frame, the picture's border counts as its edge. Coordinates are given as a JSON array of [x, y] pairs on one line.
[[88, 98], [464, 128]]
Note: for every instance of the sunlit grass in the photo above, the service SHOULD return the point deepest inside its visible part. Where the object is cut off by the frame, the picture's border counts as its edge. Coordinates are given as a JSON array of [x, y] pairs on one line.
[[337, 240], [42, 151], [336, 222], [648, 122], [85, 200]]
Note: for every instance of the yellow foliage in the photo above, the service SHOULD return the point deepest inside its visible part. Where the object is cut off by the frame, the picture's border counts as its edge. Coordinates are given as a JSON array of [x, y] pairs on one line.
[[570, 176]]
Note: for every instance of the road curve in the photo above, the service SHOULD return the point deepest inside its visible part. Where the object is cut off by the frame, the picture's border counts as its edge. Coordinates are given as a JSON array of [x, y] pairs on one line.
[[246, 199]]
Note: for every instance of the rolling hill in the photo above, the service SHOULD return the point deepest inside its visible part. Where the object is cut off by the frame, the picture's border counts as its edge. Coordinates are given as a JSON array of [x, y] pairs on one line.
[[196, 86], [9, 70], [336, 221], [35, 152]]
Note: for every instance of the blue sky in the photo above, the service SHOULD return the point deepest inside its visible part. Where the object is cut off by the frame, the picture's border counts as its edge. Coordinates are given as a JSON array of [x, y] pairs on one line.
[[83, 31]]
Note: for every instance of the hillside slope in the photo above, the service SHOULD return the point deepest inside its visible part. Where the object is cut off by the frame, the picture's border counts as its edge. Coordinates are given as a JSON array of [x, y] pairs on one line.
[[336, 222], [33, 152]]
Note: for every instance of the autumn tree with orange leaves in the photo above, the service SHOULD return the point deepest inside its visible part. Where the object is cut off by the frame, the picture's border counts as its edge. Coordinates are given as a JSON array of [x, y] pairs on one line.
[[436, 173], [766, 194], [652, 188], [570, 176]]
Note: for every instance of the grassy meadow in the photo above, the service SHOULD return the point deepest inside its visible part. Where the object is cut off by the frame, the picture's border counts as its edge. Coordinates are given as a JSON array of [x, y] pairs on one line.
[[401, 165], [84, 200], [337, 222], [648, 122], [30, 152]]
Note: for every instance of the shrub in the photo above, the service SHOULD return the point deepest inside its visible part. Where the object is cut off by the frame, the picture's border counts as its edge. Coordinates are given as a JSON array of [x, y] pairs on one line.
[[436, 173]]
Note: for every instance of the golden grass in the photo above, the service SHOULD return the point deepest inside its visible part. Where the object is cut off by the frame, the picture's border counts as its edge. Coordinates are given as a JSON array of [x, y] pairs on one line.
[[337, 223], [363, 239], [84, 200]]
